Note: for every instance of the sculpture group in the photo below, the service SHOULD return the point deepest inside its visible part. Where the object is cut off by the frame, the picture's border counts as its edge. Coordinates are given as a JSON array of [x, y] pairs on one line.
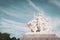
[[39, 23], [40, 30]]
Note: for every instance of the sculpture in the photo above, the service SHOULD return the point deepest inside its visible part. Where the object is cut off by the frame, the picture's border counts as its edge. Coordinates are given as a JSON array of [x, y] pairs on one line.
[[38, 24]]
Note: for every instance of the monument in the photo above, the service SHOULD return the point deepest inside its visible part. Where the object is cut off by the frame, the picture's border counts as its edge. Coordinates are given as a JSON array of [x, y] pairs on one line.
[[40, 29]]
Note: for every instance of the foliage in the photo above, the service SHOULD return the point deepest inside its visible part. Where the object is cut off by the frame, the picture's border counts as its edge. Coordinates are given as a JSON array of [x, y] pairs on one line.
[[6, 36]]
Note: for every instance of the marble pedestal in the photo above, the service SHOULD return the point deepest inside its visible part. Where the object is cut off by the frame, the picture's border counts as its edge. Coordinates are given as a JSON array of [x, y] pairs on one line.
[[39, 37]]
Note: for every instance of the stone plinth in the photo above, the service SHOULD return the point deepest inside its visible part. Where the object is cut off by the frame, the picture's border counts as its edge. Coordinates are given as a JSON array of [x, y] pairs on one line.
[[39, 37]]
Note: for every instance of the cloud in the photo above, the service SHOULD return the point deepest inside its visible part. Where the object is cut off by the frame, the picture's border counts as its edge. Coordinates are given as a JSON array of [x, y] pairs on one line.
[[55, 22], [58, 33], [16, 29], [16, 14], [11, 12], [55, 25], [34, 6], [56, 2]]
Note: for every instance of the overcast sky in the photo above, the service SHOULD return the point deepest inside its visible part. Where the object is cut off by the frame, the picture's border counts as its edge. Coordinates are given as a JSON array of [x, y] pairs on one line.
[[15, 14]]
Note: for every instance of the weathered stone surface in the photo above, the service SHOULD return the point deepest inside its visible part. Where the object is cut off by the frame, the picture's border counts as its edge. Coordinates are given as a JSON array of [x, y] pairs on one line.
[[40, 37]]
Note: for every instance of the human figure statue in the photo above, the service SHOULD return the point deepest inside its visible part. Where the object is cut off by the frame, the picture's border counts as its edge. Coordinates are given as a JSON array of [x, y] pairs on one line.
[[38, 24]]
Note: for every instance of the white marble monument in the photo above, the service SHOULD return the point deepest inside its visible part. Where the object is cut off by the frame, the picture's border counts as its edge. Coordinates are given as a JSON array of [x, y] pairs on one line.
[[40, 29], [39, 24]]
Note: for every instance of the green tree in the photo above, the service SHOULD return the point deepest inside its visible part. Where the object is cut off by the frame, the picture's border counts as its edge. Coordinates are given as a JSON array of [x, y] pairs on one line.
[[13, 38], [4, 36]]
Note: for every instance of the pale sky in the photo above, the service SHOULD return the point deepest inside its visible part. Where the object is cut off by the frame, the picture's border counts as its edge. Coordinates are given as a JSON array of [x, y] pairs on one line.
[[15, 14]]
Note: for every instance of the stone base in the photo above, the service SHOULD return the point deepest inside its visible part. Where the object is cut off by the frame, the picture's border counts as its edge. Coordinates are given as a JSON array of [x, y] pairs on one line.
[[39, 37]]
